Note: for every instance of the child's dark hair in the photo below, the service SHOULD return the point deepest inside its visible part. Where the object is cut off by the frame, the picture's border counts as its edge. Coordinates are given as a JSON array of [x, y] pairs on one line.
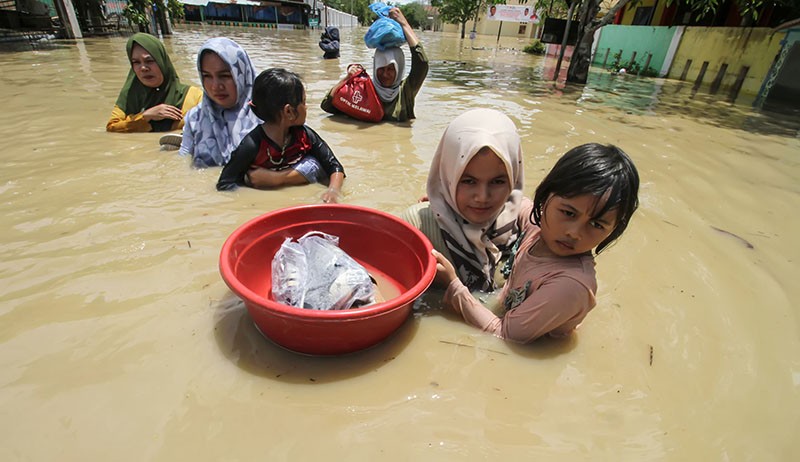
[[272, 90], [597, 170]]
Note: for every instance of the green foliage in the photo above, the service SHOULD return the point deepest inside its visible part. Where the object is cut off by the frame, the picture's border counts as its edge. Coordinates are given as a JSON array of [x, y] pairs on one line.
[[136, 11], [535, 48], [336, 4], [702, 8], [175, 8], [649, 72], [358, 8], [550, 8], [459, 11], [748, 9], [415, 15], [632, 67], [615, 64]]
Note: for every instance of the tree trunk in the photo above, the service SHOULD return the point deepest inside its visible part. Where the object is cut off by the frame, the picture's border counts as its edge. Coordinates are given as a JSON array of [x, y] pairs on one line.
[[463, 28], [162, 16], [581, 61]]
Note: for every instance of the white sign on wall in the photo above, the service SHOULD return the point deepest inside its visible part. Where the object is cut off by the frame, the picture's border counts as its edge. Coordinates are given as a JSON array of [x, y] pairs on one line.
[[516, 13]]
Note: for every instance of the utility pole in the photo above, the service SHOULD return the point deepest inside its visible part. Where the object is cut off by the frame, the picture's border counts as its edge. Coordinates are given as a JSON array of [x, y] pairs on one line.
[[69, 20]]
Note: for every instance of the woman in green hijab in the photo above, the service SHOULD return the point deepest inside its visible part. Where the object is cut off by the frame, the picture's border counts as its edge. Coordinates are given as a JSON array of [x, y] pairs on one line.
[[153, 97]]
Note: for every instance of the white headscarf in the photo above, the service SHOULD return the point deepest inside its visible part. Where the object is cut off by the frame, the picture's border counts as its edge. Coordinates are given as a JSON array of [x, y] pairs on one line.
[[217, 131], [476, 249], [383, 58]]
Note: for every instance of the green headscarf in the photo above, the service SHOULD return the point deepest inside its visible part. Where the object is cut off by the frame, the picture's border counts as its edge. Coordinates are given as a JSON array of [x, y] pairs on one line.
[[135, 97]]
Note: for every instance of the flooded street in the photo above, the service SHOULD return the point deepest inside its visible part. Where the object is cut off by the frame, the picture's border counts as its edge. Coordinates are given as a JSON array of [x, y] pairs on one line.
[[120, 341]]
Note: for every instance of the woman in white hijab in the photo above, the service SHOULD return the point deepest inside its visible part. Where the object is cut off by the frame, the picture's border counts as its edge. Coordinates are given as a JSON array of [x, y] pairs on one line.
[[476, 205], [388, 67], [397, 95]]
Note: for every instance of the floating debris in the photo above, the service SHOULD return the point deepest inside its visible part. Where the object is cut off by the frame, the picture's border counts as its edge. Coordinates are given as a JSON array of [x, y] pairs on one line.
[[741, 239], [472, 346]]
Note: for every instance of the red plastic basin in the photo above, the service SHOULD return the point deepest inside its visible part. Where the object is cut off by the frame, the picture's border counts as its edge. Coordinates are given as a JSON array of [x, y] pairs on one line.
[[390, 249]]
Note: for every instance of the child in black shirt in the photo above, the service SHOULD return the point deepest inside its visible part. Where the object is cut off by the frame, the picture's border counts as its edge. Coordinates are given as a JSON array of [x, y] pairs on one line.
[[282, 151]]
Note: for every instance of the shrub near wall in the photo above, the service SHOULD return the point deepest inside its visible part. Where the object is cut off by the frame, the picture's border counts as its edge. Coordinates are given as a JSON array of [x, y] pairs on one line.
[[642, 40]]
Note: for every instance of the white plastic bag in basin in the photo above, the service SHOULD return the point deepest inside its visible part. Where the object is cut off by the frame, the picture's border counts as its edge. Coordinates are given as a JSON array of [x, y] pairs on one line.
[[315, 273]]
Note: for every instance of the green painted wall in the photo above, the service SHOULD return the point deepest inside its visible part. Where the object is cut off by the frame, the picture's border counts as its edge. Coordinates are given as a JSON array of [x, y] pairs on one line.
[[755, 48], [629, 39], [50, 6]]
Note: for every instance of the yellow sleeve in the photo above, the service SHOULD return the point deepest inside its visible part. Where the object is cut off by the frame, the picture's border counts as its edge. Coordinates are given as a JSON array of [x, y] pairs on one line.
[[124, 123], [193, 98]]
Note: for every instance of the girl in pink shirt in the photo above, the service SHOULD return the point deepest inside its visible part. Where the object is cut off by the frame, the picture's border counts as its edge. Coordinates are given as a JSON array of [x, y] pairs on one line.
[[583, 205]]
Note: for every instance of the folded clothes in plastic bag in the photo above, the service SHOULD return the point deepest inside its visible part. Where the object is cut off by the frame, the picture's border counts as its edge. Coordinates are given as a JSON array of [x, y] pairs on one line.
[[315, 273]]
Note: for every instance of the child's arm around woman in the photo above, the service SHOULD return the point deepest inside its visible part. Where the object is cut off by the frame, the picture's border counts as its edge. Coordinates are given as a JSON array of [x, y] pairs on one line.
[[583, 205], [542, 296]]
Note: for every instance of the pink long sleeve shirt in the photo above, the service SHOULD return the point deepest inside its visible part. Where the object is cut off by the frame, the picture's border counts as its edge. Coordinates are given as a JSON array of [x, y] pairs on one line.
[[544, 295]]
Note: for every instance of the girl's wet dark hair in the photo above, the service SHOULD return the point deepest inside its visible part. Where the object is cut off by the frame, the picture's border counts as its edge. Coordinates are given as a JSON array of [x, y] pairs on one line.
[[272, 90], [597, 170]]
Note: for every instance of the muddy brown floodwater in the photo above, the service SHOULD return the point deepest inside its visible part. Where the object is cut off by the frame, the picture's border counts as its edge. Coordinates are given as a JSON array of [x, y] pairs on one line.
[[120, 341]]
